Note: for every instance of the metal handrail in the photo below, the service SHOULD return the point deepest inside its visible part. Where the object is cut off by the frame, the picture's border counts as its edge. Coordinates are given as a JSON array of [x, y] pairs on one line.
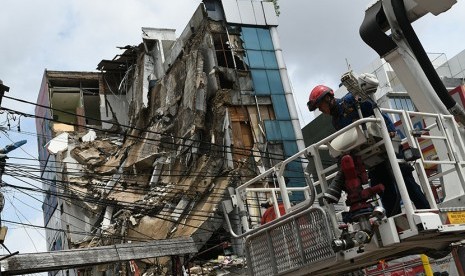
[[279, 168]]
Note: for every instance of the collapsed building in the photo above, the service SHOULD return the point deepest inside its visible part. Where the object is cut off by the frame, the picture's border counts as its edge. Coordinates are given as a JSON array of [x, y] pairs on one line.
[[147, 147]]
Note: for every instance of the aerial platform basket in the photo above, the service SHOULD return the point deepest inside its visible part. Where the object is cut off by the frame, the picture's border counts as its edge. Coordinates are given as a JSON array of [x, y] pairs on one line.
[[311, 239]]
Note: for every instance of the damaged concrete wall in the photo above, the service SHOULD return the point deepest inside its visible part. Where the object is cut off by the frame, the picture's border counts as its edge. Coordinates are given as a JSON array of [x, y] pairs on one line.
[[114, 106], [178, 141]]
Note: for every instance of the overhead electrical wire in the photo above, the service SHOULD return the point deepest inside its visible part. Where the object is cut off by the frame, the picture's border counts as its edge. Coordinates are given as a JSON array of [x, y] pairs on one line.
[[106, 234], [127, 172], [17, 199], [174, 189], [182, 190], [101, 202], [122, 204], [141, 205], [18, 172], [155, 216], [128, 183], [136, 205], [27, 233], [135, 190], [238, 149], [126, 126], [210, 144], [132, 155], [126, 135], [177, 223], [276, 159], [182, 173]]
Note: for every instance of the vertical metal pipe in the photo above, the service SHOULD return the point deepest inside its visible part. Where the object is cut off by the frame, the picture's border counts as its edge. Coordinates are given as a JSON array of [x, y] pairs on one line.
[[396, 171]]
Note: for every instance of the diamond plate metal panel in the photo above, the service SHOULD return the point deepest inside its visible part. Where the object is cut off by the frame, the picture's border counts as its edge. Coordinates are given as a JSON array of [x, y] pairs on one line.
[[286, 247], [290, 244], [259, 257], [316, 237]]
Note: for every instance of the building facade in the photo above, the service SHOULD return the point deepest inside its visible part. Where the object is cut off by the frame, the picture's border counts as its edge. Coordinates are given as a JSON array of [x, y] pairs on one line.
[[147, 146]]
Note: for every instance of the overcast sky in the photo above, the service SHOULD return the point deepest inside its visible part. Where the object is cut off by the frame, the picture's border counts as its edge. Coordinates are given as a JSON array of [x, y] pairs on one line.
[[318, 38]]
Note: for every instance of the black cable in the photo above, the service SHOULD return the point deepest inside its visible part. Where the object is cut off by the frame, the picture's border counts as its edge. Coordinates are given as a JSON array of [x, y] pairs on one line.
[[127, 184], [28, 174], [121, 204], [79, 233], [226, 149], [126, 204], [27, 233], [154, 216], [128, 174], [94, 227], [135, 205], [174, 211], [126, 126], [276, 159]]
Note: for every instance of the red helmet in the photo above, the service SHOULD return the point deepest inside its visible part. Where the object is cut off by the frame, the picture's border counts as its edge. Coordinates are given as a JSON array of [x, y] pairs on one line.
[[317, 94]]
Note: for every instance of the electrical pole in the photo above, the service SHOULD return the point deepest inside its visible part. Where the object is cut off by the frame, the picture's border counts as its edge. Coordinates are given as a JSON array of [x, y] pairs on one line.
[[3, 157]]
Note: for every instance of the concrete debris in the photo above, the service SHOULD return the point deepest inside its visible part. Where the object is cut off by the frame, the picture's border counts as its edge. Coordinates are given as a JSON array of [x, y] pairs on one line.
[[90, 136], [94, 154], [96, 182], [57, 128], [223, 265], [58, 144], [82, 181], [125, 197], [146, 161], [111, 166], [133, 220], [88, 156]]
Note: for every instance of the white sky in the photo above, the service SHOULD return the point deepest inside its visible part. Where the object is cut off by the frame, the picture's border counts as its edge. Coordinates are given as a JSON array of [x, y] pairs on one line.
[[318, 39]]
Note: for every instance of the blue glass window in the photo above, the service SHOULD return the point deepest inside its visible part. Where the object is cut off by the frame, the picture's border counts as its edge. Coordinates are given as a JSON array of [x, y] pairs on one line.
[[267, 82], [296, 178], [249, 35], [269, 58], [280, 107], [273, 132], [295, 166], [261, 59], [287, 131], [260, 82], [257, 39], [264, 37], [255, 59], [274, 79], [290, 148]]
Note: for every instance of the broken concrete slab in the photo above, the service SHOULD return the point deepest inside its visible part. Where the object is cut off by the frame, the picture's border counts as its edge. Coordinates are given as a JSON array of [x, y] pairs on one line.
[[90, 136], [59, 127], [59, 143], [89, 156]]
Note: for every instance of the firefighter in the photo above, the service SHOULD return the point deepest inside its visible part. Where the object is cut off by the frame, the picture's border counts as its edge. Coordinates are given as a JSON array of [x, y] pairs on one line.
[[344, 112]]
